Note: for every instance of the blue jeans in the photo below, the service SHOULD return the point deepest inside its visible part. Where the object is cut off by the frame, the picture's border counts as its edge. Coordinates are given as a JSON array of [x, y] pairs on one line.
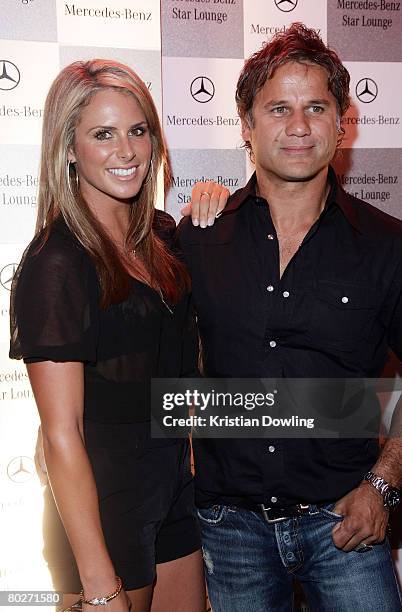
[[250, 564]]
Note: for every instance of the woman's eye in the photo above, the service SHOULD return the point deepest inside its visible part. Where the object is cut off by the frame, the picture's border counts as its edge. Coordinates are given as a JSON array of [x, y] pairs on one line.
[[103, 135], [138, 131]]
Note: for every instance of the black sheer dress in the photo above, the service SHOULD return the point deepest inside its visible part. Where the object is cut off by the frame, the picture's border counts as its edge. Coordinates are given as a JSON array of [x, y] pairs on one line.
[[55, 316]]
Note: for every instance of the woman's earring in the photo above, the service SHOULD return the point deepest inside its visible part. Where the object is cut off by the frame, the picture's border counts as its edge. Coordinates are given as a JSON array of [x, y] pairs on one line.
[[68, 175], [77, 180]]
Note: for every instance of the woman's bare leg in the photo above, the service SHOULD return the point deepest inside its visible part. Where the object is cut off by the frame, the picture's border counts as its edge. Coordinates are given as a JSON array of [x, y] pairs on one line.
[[180, 585], [141, 598]]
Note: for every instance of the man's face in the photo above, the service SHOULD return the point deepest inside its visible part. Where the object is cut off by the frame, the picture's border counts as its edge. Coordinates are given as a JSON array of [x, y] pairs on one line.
[[294, 131]]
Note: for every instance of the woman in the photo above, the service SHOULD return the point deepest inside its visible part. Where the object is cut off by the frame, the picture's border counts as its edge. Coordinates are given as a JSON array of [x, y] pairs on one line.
[[99, 306]]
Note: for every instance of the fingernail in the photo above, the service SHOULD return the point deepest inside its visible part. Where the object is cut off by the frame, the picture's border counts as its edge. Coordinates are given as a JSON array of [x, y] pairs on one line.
[[211, 222], [203, 224], [195, 222]]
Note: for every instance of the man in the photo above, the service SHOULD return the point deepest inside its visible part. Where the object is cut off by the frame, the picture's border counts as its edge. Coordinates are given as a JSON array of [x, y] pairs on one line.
[[296, 279]]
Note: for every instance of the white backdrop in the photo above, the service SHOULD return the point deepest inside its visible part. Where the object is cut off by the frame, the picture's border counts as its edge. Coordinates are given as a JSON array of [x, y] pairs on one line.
[[189, 52]]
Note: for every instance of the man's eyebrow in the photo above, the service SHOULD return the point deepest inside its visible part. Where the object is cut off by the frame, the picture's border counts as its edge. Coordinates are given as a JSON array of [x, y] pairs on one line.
[[320, 101], [271, 103]]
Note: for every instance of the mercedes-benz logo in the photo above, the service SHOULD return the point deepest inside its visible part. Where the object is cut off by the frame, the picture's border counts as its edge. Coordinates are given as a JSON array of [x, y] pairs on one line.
[[9, 75], [7, 275], [21, 469], [366, 90], [286, 5], [202, 89]]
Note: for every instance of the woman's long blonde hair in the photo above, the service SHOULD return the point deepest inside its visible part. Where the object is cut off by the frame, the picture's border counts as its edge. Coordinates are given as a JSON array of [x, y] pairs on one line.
[[59, 195]]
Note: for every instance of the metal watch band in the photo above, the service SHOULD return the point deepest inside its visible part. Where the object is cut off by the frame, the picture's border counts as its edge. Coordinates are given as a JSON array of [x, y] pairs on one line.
[[378, 482]]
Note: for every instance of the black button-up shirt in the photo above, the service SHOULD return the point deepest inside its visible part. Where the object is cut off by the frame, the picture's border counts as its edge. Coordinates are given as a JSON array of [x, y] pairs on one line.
[[334, 313]]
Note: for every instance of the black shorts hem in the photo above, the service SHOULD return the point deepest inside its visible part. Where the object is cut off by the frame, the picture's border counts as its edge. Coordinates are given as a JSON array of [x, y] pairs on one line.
[[133, 585], [179, 545], [183, 553]]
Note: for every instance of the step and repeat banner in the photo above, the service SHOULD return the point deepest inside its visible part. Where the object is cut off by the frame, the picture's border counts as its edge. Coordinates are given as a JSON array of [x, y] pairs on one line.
[[189, 53]]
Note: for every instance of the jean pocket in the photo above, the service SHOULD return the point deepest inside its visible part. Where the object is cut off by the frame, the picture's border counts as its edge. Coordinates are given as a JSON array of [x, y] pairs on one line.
[[328, 511], [215, 515]]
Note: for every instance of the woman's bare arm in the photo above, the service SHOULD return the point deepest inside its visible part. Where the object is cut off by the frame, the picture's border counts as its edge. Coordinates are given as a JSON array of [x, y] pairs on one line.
[[59, 394]]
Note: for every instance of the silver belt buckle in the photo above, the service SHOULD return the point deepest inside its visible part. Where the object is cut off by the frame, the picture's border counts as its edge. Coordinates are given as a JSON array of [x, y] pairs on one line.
[[264, 511]]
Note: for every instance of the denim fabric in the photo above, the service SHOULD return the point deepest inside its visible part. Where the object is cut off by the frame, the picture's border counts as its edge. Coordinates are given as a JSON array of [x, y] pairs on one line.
[[250, 564]]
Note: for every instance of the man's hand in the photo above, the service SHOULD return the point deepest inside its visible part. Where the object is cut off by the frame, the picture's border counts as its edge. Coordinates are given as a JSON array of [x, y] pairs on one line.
[[207, 202], [365, 518]]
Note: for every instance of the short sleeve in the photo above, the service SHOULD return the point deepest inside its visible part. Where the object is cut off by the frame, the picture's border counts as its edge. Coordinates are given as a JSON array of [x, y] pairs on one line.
[[179, 241], [164, 226], [54, 303]]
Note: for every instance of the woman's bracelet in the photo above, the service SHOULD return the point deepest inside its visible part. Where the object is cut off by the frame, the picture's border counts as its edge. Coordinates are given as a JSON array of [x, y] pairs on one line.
[[102, 601]]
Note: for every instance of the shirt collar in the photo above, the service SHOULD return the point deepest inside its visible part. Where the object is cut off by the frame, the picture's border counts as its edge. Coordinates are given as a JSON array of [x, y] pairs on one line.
[[343, 200], [337, 196]]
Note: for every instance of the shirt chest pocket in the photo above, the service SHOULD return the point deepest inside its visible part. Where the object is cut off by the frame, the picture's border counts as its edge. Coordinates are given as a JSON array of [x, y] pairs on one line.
[[342, 315]]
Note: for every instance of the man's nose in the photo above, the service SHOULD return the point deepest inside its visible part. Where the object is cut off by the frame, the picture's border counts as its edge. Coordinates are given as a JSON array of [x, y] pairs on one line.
[[298, 124]]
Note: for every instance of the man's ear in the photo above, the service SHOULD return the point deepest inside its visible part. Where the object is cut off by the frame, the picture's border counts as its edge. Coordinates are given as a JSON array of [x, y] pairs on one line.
[[245, 129]]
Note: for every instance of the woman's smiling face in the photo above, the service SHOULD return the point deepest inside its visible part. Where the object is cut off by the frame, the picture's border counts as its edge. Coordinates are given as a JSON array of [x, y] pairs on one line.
[[112, 147]]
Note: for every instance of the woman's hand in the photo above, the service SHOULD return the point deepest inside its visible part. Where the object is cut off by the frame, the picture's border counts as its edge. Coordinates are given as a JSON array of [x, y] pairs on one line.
[[207, 202]]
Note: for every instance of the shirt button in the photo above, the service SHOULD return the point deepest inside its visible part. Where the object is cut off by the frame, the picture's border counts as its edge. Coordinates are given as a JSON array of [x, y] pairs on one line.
[[270, 237], [272, 344], [270, 288], [274, 500], [271, 449], [345, 299], [286, 294]]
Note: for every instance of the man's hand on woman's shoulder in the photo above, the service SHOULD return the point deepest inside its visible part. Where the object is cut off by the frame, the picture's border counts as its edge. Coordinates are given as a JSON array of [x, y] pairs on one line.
[[207, 202]]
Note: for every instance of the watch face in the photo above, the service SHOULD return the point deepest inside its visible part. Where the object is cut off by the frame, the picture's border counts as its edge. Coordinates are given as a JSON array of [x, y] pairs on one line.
[[392, 498]]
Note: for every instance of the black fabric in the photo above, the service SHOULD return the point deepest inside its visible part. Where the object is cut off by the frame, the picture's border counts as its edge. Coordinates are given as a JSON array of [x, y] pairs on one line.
[[334, 313], [55, 316], [146, 504], [145, 487]]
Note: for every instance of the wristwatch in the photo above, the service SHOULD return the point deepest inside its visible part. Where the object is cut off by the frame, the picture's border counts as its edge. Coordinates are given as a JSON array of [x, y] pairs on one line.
[[390, 495]]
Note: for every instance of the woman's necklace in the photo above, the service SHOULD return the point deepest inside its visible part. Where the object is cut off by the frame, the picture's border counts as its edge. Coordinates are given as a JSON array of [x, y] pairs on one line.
[[163, 300], [132, 252], [129, 252]]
